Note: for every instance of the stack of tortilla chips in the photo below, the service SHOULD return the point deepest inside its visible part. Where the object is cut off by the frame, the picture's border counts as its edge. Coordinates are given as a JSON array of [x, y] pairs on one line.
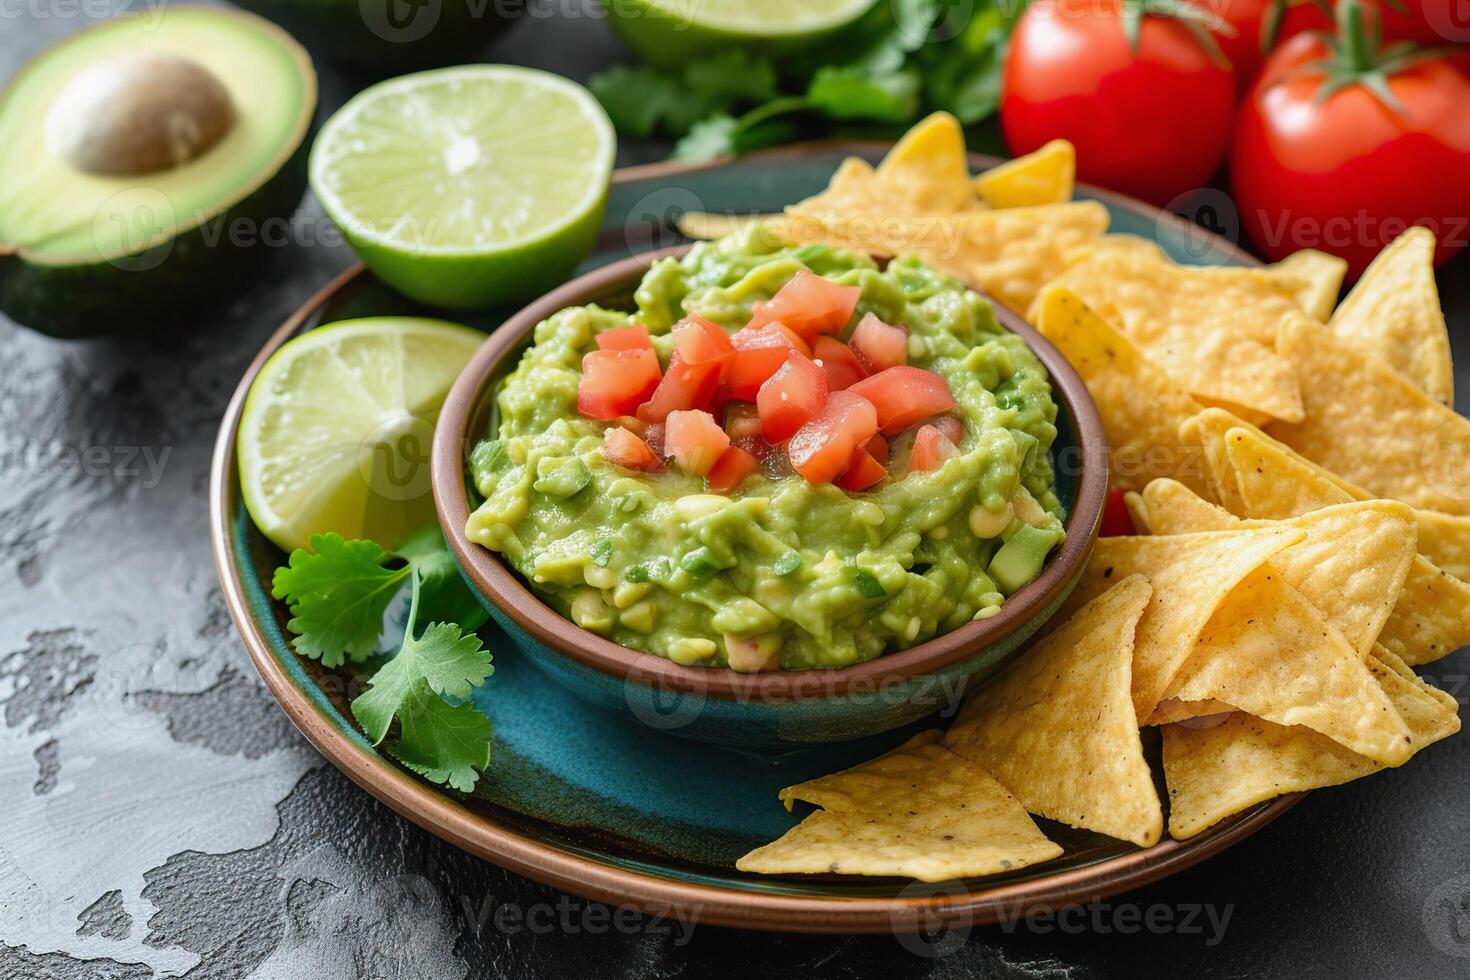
[[1302, 490]]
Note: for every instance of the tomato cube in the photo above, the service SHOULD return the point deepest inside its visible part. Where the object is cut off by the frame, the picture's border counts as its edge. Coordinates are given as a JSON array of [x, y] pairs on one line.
[[862, 472], [950, 427], [684, 387], [624, 448], [731, 469], [931, 449], [905, 395], [699, 341], [809, 305], [616, 382], [879, 345], [1115, 517], [758, 355], [791, 398], [821, 450], [634, 337], [877, 448], [842, 366], [695, 441]]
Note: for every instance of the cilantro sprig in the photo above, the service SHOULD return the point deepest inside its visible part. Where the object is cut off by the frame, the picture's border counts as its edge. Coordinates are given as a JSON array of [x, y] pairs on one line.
[[898, 62], [339, 593]]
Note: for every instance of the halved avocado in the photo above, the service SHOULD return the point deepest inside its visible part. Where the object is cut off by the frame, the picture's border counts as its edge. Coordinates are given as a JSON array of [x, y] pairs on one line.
[[384, 37], [145, 164]]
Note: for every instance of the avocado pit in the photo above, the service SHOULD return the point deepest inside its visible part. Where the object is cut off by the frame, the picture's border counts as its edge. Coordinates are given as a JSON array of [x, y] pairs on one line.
[[139, 114]]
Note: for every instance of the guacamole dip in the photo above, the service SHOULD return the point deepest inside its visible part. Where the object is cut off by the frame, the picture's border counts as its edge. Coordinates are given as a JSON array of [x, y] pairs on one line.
[[905, 488]]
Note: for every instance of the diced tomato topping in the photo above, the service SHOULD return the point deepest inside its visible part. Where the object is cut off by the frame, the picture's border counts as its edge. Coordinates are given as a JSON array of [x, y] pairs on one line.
[[791, 398], [653, 434], [877, 448], [625, 338], [952, 428], [695, 441], [632, 423], [879, 345], [841, 364], [742, 419], [731, 469], [1116, 520], [931, 449], [616, 382], [822, 448], [758, 355], [699, 341], [862, 472], [684, 387], [809, 305], [905, 395], [624, 448]]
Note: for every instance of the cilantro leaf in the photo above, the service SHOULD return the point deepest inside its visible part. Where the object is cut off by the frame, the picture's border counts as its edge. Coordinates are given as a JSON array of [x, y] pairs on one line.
[[448, 743], [637, 100], [642, 101], [846, 93], [338, 593], [444, 597]]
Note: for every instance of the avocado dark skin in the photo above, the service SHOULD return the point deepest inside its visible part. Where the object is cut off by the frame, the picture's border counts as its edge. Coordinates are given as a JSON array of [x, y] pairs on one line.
[[150, 292], [386, 37]]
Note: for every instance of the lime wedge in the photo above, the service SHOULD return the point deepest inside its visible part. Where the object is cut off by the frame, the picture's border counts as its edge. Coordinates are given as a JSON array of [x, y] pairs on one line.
[[666, 32], [468, 187], [337, 426]]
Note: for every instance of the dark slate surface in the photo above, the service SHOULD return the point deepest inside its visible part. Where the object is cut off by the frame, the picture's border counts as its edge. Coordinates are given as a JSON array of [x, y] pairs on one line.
[[160, 816]]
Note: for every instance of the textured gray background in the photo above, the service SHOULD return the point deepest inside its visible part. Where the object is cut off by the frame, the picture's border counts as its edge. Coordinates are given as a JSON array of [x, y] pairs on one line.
[[159, 815]]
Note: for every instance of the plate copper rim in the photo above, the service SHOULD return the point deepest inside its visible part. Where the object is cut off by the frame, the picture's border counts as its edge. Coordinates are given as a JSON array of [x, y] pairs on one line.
[[446, 818]]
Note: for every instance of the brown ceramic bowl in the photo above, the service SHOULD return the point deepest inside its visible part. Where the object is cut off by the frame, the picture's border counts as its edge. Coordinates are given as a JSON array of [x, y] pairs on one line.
[[773, 709]]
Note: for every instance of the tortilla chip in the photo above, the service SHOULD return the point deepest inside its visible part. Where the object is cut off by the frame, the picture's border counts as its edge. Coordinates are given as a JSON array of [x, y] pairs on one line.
[[1269, 652], [1009, 253], [1141, 409], [1206, 433], [1058, 728], [1445, 540], [1320, 280], [1044, 176], [1212, 330], [1393, 315], [920, 811], [1191, 574], [1218, 767], [1371, 426], [1431, 617], [707, 226], [1351, 567], [930, 165], [1119, 243]]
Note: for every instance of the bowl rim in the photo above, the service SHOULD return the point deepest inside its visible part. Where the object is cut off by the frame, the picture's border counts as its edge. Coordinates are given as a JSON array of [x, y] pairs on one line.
[[495, 581], [964, 904]]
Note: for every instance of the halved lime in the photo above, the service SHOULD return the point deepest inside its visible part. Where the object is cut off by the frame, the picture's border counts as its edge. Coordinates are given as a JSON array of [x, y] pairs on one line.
[[468, 187], [666, 32], [336, 430]]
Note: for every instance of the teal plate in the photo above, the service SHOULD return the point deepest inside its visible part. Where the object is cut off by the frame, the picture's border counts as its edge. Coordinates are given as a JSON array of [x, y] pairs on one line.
[[598, 805]]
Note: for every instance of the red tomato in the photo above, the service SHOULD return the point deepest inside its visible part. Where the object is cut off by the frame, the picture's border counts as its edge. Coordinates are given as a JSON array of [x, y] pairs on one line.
[[624, 448], [931, 448], [879, 345], [731, 469], [841, 364], [625, 338], [742, 420], [1115, 517], [905, 395], [1152, 123], [862, 472], [1347, 174], [698, 341], [759, 354], [950, 427], [616, 382], [822, 448], [791, 398], [684, 386], [809, 305], [877, 448], [695, 441]]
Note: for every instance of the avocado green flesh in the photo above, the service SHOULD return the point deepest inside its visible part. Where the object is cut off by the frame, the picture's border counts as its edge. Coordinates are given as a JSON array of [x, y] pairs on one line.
[[781, 571], [53, 214]]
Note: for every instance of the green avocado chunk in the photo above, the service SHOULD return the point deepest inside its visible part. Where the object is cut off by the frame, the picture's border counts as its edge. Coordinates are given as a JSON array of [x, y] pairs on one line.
[[142, 161], [1019, 560]]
